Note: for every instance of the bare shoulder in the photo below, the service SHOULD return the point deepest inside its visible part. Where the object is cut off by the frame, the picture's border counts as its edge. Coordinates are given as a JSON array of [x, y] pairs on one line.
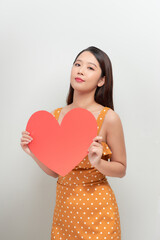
[[112, 119]]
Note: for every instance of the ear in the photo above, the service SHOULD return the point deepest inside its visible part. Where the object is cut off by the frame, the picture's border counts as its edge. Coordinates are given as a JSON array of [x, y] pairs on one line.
[[101, 82]]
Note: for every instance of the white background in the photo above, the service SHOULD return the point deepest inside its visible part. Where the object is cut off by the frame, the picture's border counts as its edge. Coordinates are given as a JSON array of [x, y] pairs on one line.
[[39, 41]]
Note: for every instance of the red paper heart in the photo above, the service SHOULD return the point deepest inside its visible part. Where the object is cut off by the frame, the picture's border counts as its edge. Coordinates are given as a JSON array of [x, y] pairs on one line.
[[61, 147]]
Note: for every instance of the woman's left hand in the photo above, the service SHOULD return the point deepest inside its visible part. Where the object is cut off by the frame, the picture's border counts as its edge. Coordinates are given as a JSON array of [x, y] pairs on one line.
[[95, 151]]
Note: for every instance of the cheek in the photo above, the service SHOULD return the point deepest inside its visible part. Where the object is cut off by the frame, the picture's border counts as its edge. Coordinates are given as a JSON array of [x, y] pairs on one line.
[[73, 72], [93, 74], [93, 77], [72, 75]]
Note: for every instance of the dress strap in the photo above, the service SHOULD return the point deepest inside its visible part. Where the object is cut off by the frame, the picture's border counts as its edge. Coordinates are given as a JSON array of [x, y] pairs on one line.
[[56, 113], [100, 118]]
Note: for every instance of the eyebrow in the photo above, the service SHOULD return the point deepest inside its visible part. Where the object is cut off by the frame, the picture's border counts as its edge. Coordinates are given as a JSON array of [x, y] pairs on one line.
[[87, 62]]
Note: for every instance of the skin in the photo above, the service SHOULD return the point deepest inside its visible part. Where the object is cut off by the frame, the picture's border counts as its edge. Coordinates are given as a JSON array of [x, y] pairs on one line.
[[111, 131]]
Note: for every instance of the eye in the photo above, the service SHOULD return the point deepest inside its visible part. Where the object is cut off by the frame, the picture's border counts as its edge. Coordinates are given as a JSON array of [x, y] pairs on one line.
[[76, 64], [79, 65], [91, 68]]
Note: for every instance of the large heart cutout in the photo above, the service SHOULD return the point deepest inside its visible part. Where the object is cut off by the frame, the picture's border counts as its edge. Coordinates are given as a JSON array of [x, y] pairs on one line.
[[61, 147]]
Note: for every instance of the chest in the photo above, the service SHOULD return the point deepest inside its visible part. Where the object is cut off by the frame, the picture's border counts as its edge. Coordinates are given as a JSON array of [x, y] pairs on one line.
[[102, 126]]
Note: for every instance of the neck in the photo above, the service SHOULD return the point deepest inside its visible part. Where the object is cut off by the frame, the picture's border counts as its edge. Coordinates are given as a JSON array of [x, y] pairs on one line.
[[84, 100]]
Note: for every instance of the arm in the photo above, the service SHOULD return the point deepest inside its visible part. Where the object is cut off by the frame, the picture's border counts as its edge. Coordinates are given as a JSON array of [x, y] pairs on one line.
[[44, 168], [115, 140]]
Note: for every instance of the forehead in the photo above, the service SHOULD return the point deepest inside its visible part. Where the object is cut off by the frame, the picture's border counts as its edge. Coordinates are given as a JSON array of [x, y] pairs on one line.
[[87, 56]]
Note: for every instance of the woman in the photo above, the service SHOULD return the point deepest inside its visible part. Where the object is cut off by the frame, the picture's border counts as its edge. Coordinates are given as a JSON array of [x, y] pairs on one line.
[[86, 206]]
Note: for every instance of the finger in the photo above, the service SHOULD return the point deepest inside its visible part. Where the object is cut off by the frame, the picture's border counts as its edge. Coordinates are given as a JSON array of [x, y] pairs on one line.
[[25, 132], [24, 143], [27, 136], [97, 147], [26, 139], [97, 138], [94, 149], [96, 144]]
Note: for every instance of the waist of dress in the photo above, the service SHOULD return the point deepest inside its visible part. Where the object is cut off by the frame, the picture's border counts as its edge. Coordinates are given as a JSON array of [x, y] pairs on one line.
[[82, 177]]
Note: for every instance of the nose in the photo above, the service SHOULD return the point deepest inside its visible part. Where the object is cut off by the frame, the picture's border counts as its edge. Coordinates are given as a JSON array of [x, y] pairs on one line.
[[80, 70]]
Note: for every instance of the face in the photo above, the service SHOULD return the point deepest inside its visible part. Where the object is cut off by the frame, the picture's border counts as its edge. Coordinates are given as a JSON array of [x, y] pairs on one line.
[[87, 68]]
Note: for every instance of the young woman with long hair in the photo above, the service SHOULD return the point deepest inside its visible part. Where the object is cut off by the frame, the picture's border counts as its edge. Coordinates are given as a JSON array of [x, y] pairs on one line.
[[86, 206]]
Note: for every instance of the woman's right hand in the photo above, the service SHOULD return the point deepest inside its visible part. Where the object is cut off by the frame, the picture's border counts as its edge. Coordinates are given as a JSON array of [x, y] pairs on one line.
[[25, 139]]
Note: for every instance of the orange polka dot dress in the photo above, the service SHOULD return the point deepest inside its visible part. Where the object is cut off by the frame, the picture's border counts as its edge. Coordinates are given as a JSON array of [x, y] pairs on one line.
[[86, 206]]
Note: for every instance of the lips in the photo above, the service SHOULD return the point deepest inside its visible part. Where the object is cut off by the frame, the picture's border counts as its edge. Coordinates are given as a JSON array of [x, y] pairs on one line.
[[79, 79]]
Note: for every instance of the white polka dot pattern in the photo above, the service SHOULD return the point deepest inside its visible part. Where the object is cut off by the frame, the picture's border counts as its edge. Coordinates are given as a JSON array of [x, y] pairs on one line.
[[86, 206]]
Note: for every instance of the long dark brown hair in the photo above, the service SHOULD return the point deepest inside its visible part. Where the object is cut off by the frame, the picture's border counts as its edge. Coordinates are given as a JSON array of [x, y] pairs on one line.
[[104, 94]]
